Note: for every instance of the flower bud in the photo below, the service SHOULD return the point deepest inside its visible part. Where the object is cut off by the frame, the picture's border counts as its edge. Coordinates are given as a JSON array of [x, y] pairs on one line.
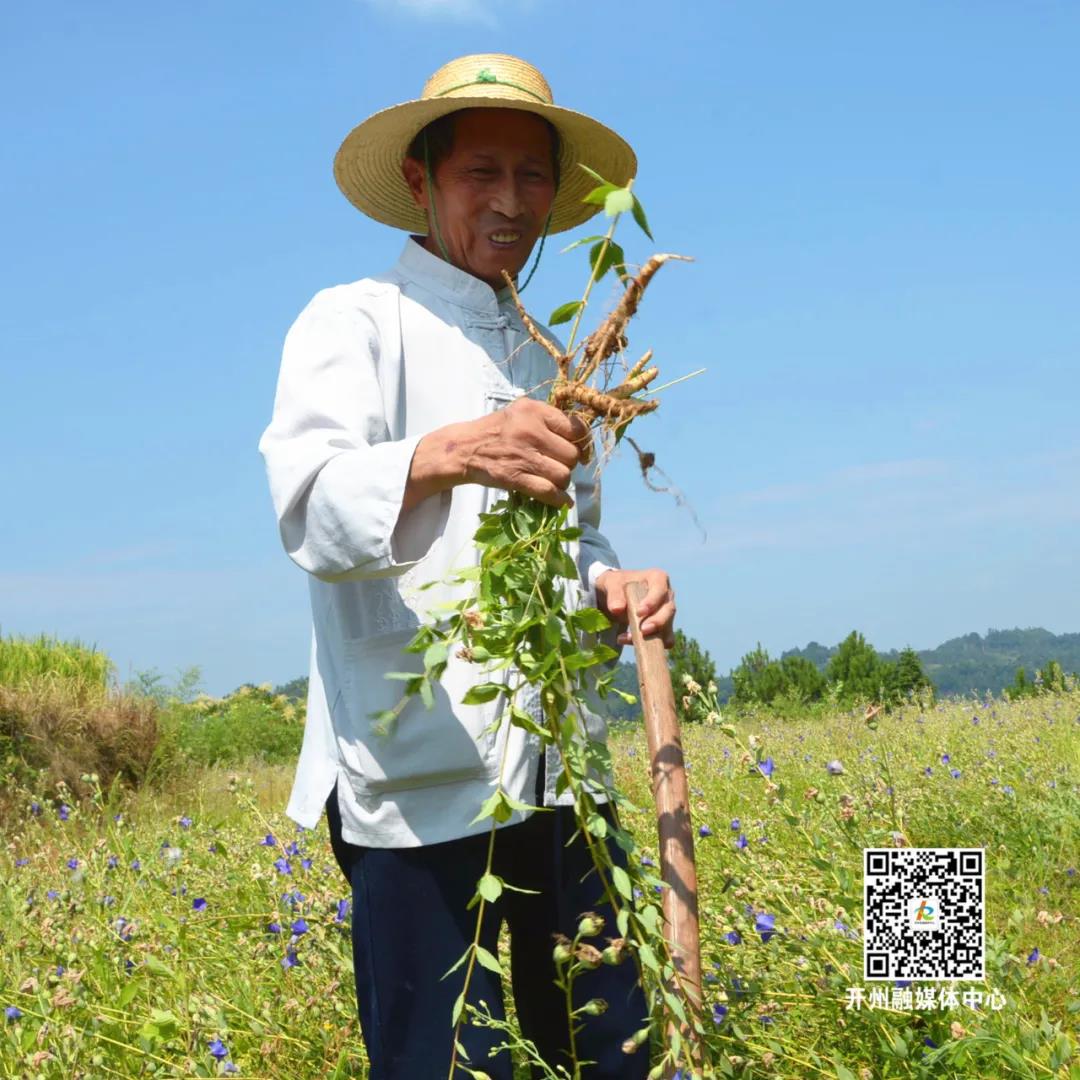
[[596, 1007], [590, 925], [616, 951], [635, 1040], [563, 949]]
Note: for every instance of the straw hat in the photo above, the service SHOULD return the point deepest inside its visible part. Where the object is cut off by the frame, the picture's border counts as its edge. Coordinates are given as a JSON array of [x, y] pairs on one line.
[[367, 166]]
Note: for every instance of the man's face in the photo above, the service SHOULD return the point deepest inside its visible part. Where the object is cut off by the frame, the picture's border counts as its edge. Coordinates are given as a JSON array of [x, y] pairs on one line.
[[492, 191]]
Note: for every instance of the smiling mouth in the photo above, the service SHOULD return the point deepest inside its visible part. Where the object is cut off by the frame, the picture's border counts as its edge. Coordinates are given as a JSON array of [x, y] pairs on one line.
[[505, 239]]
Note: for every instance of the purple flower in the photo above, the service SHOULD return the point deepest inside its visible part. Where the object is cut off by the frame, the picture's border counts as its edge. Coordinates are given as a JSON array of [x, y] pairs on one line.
[[199, 903], [135, 864], [954, 773], [945, 759], [73, 864], [741, 840], [111, 862], [834, 767], [1034, 957], [212, 849], [299, 927], [22, 862], [733, 937], [305, 863], [35, 808], [1008, 789], [13, 1012], [929, 1042], [764, 925], [342, 910], [928, 771], [282, 866], [290, 959], [185, 822], [52, 894], [902, 983], [719, 1013], [293, 849], [704, 831], [108, 901], [273, 928], [646, 861], [64, 812], [736, 824], [766, 766], [217, 1049], [268, 840]]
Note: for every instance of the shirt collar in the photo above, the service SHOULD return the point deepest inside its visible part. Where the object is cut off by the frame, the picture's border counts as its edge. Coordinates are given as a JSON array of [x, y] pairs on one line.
[[448, 281]]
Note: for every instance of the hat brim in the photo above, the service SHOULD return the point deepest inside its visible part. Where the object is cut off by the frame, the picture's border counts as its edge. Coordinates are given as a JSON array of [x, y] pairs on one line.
[[368, 163]]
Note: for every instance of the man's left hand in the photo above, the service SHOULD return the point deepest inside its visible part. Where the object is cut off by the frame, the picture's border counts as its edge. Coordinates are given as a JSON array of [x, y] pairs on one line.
[[656, 611]]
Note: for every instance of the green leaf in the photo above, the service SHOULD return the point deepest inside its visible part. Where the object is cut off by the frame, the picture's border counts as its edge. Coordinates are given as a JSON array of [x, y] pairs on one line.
[[128, 993], [612, 255], [488, 808], [578, 243], [436, 654], [482, 692], [591, 620], [453, 967], [594, 174], [564, 312], [156, 967], [427, 694], [639, 217], [488, 960], [648, 958], [618, 202], [622, 921], [490, 887], [621, 880], [598, 196], [455, 1014]]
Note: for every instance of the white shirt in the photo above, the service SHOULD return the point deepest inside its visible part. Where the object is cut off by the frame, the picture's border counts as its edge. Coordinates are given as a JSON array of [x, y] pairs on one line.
[[367, 370]]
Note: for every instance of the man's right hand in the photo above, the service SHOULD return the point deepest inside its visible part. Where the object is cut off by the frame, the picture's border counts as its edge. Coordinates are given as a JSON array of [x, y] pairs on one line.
[[528, 446]]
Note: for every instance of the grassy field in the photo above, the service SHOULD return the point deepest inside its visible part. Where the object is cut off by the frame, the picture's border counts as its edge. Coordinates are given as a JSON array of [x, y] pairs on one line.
[[196, 931]]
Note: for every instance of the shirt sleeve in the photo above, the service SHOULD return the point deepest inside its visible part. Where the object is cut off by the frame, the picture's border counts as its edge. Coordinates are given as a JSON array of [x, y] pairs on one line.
[[337, 481]]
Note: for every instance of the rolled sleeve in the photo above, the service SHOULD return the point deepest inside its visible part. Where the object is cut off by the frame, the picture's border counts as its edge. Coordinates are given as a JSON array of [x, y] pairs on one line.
[[336, 478]]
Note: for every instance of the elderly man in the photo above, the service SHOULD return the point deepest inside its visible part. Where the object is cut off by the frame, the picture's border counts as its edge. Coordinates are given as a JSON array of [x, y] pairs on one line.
[[406, 403]]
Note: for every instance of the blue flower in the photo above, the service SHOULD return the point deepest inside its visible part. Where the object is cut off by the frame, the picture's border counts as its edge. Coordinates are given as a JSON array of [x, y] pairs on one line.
[[282, 866], [299, 927], [290, 959], [218, 1050], [273, 928], [73, 863], [741, 840], [52, 894], [199, 903], [1008, 789], [35, 808], [902, 983], [268, 840], [834, 767], [954, 773], [733, 937], [22, 862], [342, 910], [929, 1042], [646, 861], [736, 824], [764, 925], [293, 849], [305, 863], [928, 771], [766, 766], [945, 759], [111, 862], [64, 812], [1034, 957], [135, 864], [704, 831], [185, 822], [13, 1012], [719, 1013]]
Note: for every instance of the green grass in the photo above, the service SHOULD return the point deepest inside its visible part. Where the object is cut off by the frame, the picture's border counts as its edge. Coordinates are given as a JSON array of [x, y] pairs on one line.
[[146, 996]]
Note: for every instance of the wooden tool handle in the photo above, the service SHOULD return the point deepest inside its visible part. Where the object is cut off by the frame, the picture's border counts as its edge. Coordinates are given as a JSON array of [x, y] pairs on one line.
[[668, 774]]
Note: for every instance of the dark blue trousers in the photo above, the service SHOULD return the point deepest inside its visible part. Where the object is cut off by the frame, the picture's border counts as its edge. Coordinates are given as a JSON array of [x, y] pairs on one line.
[[410, 924]]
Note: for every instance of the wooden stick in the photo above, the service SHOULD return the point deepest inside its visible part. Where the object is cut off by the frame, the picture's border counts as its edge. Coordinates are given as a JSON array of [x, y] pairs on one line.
[[668, 775]]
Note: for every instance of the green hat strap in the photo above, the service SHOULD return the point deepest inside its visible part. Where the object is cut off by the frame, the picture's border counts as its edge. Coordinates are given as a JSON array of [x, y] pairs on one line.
[[438, 233]]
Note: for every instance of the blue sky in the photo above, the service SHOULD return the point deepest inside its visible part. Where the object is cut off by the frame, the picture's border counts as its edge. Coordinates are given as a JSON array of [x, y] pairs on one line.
[[881, 201]]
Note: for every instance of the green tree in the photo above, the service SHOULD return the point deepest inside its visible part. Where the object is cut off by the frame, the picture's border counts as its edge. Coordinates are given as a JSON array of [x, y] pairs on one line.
[[907, 677], [857, 671], [687, 657]]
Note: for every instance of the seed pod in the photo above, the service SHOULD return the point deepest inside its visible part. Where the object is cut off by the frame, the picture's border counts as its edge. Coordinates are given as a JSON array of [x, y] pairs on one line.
[[596, 1007], [590, 925], [588, 955], [563, 949], [616, 952]]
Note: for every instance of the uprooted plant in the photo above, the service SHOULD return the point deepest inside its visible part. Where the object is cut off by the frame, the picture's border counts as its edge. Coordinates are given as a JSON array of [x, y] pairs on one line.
[[519, 619]]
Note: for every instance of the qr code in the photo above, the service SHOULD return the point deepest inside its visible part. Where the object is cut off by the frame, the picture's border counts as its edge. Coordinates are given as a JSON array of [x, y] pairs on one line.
[[923, 913]]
